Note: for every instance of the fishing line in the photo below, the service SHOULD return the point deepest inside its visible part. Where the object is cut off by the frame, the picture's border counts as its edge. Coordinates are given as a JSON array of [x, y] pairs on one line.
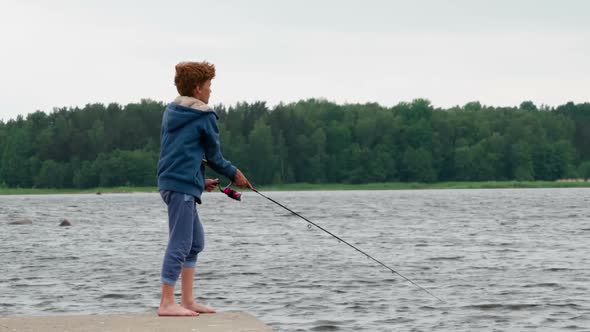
[[237, 196]]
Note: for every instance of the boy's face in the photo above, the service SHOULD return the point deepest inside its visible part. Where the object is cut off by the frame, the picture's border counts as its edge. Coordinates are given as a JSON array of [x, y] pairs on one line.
[[203, 91]]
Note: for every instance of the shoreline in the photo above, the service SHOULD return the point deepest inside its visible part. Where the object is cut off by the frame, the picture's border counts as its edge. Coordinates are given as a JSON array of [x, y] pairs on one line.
[[324, 187]]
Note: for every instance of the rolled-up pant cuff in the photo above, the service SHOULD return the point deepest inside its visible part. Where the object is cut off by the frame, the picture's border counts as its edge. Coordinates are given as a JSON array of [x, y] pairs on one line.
[[189, 264], [167, 281]]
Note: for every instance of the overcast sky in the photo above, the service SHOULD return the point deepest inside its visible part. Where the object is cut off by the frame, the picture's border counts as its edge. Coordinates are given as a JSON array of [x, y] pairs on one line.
[[69, 53]]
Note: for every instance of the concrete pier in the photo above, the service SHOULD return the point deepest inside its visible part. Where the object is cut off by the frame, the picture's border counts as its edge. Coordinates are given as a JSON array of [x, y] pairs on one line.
[[225, 321]]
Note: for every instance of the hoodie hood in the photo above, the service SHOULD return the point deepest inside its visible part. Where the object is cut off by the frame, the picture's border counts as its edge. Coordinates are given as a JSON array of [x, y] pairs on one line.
[[193, 103], [184, 110]]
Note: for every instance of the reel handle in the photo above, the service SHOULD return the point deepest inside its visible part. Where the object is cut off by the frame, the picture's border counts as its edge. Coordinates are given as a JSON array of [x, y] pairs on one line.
[[231, 193]]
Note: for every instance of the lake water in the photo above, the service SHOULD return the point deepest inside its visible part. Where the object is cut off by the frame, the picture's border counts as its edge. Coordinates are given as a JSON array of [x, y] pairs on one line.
[[503, 260]]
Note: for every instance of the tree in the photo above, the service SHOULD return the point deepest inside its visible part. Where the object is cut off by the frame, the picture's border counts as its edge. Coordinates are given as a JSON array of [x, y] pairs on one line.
[[51, 175], [417, 165], [15, 159], [553, 160], [528, 106], [521, 162], [261, 162], [310, 140], [584, 170], [86, 176], [473, 106]]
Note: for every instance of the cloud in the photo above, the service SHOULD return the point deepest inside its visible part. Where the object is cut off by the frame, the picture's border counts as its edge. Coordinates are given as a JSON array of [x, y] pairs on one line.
[[64, 53]]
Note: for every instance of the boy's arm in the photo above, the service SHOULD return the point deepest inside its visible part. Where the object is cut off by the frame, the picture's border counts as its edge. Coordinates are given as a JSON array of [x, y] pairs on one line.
[[213, 150]]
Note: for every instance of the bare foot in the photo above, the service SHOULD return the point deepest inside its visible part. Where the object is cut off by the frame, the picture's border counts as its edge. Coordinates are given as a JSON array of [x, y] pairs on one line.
[[194, 306], [175, 310]]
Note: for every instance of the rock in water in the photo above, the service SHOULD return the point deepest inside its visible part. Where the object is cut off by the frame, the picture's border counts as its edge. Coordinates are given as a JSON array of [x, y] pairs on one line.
[[21, 222], [65, 222]]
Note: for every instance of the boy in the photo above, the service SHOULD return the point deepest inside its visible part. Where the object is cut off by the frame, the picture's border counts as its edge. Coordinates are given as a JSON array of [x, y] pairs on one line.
[[188, 135]]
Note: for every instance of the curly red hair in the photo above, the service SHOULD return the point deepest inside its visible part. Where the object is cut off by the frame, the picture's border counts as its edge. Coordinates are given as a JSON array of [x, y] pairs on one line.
[[189, 75]]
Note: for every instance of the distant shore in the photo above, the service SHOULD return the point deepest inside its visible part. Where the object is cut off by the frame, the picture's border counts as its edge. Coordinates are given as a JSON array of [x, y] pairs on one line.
[[309, 186]]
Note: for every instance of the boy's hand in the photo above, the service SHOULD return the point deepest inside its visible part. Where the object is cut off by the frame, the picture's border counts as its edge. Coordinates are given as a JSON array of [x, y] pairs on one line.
[[241, 181], [210, 184]]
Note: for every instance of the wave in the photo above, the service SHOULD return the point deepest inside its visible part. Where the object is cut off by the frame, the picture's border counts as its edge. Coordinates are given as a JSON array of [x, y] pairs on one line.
[[448, 258]]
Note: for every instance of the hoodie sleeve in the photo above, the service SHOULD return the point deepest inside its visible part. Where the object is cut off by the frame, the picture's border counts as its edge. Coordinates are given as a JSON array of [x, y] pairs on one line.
[[213, 150]]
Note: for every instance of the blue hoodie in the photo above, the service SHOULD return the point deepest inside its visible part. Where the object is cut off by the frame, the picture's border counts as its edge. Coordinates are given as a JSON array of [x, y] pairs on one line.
[[188, 135]]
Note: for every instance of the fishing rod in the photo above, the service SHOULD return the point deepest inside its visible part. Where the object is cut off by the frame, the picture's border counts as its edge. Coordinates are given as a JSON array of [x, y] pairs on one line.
[[231, 193]]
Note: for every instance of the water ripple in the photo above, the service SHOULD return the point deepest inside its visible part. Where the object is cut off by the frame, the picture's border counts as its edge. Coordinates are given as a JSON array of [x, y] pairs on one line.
[[507, 259]]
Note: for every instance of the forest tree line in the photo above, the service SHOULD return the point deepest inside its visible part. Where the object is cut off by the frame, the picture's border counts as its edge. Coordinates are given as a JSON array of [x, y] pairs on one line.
[[312, 141]]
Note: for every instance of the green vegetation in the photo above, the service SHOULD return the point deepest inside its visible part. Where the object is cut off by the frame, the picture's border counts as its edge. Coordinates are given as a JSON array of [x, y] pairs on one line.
[[437, 185], [309, 186], [47, 191], [311, 141]]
